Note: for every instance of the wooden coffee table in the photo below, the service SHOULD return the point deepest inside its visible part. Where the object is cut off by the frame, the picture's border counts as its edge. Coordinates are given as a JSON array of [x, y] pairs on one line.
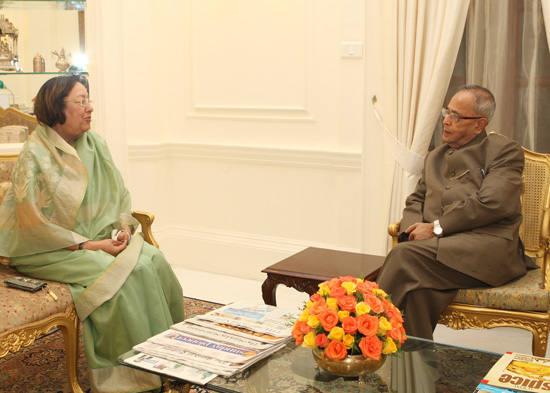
[[305, 270]]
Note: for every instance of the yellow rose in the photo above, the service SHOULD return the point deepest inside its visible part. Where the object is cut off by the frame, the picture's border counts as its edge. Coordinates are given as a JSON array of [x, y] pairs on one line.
[[304, 316], [342, 314], [349, 287], [309, 340], [359, 280], [336, 334], [313, 321], [348, 341], [378, 291], [308, 305], [324, 290], [332, 303], [383, 326], [362, 308], [389, 347]]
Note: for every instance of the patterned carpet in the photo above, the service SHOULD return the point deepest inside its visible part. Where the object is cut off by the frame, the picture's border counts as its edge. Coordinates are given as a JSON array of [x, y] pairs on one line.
[[41, 368]]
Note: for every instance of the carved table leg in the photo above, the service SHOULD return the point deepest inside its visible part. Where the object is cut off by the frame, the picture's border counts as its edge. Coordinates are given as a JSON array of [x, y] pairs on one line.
[[300, 284], [268, 289]]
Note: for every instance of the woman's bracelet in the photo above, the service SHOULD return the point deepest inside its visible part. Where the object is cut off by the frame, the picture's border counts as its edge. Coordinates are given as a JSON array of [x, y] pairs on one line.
[[81, 245], [127, 234]]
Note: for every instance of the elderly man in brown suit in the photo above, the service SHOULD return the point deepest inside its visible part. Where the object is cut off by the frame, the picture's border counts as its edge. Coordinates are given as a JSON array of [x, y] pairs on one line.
[[460, 227]]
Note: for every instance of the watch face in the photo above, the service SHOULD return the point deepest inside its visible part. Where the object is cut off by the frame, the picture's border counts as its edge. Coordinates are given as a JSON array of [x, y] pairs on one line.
[[438, 231]]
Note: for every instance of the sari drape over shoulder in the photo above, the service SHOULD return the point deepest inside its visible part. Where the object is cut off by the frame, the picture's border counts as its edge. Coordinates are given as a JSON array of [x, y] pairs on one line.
[[62, 196]]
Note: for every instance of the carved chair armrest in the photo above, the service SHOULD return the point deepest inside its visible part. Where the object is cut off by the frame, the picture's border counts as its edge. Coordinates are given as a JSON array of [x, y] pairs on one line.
[[146, 220], [393, 231]]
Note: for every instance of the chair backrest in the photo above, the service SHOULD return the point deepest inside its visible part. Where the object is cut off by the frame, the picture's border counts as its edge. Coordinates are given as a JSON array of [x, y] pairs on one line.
[[535, 198], [12, 116], [7, 162]]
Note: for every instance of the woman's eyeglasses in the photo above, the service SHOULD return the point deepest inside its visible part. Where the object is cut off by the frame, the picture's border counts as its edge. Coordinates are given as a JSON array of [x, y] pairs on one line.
[[81, 101]]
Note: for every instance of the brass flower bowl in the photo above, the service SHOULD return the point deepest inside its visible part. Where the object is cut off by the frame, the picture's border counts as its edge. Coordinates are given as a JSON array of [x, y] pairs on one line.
[[351, 366]]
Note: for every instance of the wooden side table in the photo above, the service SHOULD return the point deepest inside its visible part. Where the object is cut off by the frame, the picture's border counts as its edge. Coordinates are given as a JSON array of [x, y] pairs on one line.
[[305, 270]]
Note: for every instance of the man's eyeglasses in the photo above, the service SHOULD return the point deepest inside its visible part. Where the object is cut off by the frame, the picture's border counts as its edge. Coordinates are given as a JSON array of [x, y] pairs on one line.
[[81, 101], [455, 117]]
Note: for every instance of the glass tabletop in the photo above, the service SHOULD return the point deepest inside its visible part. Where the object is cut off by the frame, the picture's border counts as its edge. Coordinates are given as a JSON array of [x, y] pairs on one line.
[[422, 367]]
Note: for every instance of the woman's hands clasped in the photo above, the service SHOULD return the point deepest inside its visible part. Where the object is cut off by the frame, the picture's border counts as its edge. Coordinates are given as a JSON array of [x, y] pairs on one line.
[[110, 246], [119, 242]]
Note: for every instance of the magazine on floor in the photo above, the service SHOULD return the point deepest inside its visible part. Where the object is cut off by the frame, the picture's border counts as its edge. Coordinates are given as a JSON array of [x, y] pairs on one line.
[[520, 373], [220, 343]]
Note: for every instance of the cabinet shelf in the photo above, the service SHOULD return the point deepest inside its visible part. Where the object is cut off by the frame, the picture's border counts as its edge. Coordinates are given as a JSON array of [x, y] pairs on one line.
[[46, 28], [79, 5], [44, 73]]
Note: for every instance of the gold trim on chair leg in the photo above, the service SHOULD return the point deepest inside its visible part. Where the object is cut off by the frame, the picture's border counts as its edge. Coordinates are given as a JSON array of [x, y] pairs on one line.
[[146, 220], [461, 316], [70, 330], [13, 339]]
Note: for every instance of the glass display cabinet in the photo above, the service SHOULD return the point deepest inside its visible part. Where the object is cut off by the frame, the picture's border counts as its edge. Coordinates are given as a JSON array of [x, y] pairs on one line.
[[38, 40]]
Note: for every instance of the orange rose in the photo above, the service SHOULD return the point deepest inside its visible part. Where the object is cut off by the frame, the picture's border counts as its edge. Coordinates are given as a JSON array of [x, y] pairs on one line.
[[367, 325], [322, 340], [373, 302], [301, 327], [366, 286], [297, 334], [397, 333], [318, 307], [336, 350], [315, 297], [393, 313], [337, 292], [334, 283], [328, 318], [371, 347], [347, 302], [350, 325], [348, 279]]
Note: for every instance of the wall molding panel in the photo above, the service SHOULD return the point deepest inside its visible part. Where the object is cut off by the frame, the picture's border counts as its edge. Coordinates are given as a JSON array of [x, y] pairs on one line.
[[254, 70], [334, 160], [244, 254]]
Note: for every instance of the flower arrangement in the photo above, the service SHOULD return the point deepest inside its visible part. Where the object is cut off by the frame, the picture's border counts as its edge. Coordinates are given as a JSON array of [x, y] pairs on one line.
[[350, 316]]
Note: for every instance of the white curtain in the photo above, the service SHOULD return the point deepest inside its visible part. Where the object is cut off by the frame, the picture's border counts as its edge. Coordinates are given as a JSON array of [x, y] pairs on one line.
[[423, 38], [546, 15], [507, 52]]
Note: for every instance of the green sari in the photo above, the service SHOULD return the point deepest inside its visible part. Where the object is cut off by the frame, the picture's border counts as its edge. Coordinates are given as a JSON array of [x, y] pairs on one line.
[[62, 196]]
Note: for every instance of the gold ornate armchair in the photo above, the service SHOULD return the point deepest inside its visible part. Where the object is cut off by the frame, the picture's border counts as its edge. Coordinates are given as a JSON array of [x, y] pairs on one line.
[[12, 116], [525, 302], [25, 316]]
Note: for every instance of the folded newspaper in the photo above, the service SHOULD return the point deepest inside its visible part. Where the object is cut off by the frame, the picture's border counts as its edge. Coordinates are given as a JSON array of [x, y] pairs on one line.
[[223, 342], [520, 373]]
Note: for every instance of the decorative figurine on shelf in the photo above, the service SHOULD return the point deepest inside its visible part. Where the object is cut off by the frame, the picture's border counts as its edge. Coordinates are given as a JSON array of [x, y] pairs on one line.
[[38, 64], [9, 60], [62, 62]]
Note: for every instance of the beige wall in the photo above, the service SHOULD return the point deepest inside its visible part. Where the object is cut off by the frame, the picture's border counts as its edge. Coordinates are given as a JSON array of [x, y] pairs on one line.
[[240, 125]]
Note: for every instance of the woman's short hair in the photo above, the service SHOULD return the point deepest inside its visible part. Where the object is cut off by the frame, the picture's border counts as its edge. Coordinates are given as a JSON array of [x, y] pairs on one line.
[[49, 103]]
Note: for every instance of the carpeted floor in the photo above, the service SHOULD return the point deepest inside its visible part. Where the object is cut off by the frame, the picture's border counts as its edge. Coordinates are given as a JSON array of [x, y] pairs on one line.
[[41, 368]]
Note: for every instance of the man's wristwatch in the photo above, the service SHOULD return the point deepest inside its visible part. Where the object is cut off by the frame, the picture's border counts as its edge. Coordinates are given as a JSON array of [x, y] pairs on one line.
[[438, 231]]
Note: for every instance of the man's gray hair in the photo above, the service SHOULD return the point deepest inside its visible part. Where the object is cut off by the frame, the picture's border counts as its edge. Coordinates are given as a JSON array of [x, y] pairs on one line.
[[485, 104]]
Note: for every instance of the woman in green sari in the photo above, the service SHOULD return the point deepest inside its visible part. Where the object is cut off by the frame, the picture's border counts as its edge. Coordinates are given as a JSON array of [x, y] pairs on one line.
[[67, 218]]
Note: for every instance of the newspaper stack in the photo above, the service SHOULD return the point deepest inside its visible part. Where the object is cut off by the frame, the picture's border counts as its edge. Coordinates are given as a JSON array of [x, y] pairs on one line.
[[223, 342]]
